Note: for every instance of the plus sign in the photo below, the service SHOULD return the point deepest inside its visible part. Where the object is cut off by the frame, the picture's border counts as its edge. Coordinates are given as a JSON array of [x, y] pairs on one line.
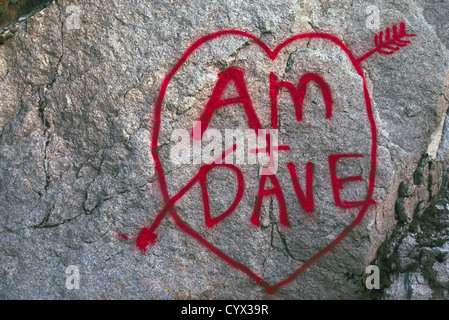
[[269, 149]]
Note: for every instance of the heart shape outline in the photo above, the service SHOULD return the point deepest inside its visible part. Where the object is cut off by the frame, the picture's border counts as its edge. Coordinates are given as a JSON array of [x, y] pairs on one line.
[[169, 202]]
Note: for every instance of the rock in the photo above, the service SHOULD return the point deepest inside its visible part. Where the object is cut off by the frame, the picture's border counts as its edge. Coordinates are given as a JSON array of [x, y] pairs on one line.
[[80, 82], [409, 286], [418, 247]]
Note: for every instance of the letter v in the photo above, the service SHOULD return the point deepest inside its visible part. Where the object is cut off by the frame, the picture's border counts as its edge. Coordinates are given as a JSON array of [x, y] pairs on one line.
[[306, 201]]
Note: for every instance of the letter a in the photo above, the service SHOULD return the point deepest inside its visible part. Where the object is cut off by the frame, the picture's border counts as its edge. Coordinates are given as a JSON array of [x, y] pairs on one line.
[[277, 191], [215, 101]]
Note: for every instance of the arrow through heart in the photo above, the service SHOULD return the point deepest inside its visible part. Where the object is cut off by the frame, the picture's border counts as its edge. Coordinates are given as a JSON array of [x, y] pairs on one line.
[[385, 44]]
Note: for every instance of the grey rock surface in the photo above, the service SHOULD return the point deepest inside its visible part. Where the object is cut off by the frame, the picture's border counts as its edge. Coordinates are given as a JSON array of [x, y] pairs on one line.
[[76, 170], [414, 261]]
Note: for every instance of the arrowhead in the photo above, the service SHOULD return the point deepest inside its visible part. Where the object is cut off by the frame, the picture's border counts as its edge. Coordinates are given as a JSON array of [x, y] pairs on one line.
[[145, 237]]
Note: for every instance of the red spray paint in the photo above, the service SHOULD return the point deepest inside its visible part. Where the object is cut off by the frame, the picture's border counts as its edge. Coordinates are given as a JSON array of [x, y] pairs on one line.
[[385, 44]]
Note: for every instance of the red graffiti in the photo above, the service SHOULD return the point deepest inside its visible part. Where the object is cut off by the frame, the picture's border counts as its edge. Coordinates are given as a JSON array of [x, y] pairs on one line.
[[337, 183], [122, 236], [144, 238], [306, 201], [210, 222], [385, 44], [389, 43], [298, 95], [215, 101], [277, 192]]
